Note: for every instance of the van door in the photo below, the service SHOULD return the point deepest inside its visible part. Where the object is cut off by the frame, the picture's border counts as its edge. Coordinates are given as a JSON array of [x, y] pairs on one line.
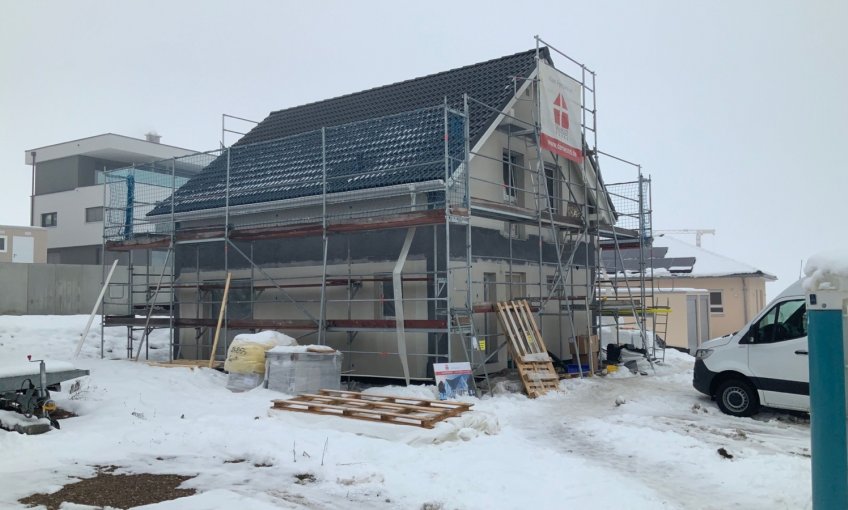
[[777, 355]]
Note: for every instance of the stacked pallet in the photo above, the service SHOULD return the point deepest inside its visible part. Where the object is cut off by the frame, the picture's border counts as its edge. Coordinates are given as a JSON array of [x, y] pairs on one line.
[[384, 409], [527, 348]]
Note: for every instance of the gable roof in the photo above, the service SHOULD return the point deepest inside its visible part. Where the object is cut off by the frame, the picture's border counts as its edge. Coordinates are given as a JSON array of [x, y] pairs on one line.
[[491, 82], [380, 137], [672, 257]]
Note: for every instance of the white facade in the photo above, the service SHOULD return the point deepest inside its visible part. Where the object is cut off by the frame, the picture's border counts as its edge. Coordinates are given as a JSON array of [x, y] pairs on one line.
[[67, 197]]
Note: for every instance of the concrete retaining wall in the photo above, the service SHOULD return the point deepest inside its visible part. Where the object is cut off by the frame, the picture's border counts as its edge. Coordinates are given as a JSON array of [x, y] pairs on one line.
[[50, 289]]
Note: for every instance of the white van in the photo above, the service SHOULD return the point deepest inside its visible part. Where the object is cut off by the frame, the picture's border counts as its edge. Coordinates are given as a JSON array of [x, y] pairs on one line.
[[765, 363]]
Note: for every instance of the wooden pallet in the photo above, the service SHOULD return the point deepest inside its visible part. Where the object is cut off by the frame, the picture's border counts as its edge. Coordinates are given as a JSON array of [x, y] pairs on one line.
[[527, 348], [186, 363], [352, 404]]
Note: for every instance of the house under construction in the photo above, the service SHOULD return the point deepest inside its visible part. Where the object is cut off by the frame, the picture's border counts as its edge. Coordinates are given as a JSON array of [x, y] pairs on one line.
[[384, 223]]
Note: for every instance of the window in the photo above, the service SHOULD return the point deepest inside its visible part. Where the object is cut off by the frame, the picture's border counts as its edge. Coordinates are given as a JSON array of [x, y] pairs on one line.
[[512, 163], [2, 244], [517, 285], [553, 187], [716, 303], [93, 214], [385, 297], [48, 219], [785, 321]]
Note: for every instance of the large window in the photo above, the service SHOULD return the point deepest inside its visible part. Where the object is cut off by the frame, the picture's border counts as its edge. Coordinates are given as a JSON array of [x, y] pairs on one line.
[[49, 219], [716, 302], [2, 244], [93, 214]]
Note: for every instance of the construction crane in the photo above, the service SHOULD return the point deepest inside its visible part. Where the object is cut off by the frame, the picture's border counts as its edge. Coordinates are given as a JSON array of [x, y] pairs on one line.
[[699, 232]]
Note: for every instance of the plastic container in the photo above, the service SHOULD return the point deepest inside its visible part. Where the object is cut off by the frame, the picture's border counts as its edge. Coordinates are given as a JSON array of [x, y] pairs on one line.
[[295, 371], [575, 369]]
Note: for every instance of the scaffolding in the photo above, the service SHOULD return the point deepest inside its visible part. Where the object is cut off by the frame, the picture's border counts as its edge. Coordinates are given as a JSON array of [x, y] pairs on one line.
[[397, 261]]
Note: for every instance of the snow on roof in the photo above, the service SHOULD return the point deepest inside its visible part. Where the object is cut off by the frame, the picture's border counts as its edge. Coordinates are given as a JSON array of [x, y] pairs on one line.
[[707, 263]]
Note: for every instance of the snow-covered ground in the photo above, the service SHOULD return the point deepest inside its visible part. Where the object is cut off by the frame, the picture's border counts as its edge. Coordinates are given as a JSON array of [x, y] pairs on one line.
[[622, 441]]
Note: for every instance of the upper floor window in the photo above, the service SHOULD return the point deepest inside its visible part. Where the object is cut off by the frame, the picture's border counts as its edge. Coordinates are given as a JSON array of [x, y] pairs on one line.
[[93, 214], [49, 219], [512, 163], [553, 187]]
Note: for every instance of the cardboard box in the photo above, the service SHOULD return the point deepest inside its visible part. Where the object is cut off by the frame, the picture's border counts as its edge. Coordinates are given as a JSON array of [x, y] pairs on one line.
[[588, 348]]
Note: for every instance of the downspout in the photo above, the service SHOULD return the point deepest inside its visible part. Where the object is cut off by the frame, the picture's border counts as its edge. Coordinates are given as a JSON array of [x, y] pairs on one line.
[[745, 299], [32, 197], [397, 284]]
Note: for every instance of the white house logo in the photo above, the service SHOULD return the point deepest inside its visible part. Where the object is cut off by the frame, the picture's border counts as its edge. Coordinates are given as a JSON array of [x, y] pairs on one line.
[[560, 112]]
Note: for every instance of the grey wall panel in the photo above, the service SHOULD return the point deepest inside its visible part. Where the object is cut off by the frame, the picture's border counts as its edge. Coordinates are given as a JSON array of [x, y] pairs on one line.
[[13, 288], [40, 289], [53, 289]]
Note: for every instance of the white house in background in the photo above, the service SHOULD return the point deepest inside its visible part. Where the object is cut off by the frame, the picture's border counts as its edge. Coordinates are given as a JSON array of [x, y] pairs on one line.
[[67, 189], [23, 244], [710, 295]]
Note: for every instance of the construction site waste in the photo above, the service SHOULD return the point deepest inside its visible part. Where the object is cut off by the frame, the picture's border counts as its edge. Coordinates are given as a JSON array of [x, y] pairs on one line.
[[245, 363], [303, 369]]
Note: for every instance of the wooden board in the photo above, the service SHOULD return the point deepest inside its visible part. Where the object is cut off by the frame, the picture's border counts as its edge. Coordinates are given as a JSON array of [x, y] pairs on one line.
[[186, 363], [385, 409], [527, 347]]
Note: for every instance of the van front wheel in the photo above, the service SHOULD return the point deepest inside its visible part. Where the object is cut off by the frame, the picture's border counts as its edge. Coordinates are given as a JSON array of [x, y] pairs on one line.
[[737, 397]]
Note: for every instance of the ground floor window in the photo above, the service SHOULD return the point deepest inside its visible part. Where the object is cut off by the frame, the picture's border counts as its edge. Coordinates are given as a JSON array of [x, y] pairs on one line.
[[716, 302]]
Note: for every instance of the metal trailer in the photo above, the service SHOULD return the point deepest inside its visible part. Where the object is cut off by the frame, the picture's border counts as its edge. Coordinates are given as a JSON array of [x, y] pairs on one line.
[[29, 394]]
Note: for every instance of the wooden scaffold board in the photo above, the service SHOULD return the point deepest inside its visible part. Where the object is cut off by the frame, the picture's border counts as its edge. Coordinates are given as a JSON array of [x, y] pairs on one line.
[[352, 404], [527, 348]]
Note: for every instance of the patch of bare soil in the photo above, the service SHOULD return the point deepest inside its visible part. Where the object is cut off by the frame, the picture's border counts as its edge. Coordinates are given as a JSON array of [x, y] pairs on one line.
[[118, 491], [61, 414]]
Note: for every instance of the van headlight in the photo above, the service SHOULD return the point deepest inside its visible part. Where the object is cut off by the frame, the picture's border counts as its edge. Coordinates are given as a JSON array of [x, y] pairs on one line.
[[703, 353]]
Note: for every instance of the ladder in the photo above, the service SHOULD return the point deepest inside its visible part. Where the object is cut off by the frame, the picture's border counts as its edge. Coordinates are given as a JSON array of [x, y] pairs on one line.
[[462, 324]]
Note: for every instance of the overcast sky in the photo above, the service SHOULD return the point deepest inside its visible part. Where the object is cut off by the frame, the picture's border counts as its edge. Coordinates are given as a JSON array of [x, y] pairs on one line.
[[737, 110]]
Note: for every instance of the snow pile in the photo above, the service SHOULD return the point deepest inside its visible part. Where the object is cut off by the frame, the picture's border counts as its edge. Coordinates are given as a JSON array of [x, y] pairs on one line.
[[824, 268]]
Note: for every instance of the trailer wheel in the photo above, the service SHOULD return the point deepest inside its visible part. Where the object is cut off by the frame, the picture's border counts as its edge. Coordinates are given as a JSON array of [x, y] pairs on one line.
[[737, 397]]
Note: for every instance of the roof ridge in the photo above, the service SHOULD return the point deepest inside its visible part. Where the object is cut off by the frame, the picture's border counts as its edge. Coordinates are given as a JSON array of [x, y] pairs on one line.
[[543, 51]]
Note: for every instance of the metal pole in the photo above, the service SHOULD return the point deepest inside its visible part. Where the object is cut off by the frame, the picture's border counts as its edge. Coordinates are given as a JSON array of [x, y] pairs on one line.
[[225, 310], [172, 346], [448, 273], [322, 328], [828, 411]]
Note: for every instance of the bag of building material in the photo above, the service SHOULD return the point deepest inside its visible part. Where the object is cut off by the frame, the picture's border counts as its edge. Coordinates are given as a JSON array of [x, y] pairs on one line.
[[245, 363]]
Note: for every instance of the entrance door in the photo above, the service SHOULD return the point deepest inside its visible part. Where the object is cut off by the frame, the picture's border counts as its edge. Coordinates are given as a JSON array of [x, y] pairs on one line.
[[692, 323], [777, 355], [23, 249]]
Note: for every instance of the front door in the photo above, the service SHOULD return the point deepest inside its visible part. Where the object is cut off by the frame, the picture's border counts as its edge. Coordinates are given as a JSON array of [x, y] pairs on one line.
[[777, 355]]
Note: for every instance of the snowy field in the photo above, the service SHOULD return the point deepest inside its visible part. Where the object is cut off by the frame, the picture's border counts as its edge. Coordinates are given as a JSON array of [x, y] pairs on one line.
[[623, 442]]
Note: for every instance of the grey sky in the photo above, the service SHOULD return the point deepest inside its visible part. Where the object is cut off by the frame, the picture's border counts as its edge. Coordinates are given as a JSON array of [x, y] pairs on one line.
[[736, 109]]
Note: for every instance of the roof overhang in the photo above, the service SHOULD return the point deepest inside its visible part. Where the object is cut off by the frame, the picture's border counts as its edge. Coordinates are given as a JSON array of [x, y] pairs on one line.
[[110, 146]]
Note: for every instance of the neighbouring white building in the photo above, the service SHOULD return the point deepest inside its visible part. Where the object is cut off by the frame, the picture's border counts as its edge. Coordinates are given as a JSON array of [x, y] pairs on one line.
[[67, 189]]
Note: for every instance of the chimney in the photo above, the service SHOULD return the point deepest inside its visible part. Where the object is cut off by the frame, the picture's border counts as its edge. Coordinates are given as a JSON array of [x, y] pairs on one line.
[[153, 137]]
